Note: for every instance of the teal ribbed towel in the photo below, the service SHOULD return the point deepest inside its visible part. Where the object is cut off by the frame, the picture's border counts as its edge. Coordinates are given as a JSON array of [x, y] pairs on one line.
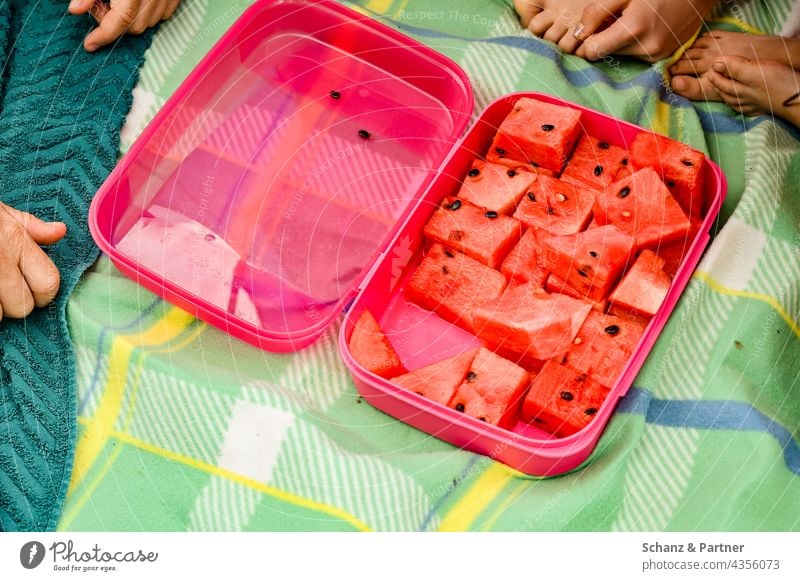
[[61, 110]]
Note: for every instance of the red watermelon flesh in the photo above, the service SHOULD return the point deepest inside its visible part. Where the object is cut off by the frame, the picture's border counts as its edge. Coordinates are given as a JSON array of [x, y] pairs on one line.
[[557, 285], [590, 262], [537, 132], [528, 321], [439, 380], [595, 163], [674, 252], [644, 287], [555, 207], [532, 166], [496, 187], [627, 315], [603, 346], [372, 350], [562, 400], [681, 167], [492, 390], [641, 205], [482, 234], [452, 284], [524, 263]]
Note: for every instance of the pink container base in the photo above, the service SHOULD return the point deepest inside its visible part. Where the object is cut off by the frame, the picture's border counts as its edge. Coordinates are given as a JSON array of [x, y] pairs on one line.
[[421, 337]]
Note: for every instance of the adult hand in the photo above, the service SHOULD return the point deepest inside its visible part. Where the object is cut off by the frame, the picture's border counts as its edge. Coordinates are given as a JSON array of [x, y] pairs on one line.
[[121, 17], [650, 30], [28, 278]]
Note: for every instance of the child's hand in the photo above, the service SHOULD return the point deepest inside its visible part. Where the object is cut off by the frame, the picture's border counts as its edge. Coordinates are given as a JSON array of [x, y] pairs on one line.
[[647, 29], [121, 17]]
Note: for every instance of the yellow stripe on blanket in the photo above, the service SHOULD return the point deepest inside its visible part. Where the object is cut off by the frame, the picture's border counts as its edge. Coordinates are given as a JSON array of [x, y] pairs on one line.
[[477, 498], [91, 442]]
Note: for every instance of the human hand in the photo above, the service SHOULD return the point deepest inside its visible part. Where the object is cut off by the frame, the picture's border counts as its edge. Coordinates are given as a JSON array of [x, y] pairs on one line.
[[121, 17], [650, 30], [28, 278]]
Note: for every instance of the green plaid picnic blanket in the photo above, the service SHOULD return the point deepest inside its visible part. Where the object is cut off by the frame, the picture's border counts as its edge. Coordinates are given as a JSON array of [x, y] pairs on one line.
[[183, 428]]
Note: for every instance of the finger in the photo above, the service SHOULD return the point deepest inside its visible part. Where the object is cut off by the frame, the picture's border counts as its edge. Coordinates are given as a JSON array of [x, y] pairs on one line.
[[556, 32], [526, 10], [15, 296], [614, 39], [725, 85], [172, 6], [568, 43], [42, 232], [113, 25], [41, 275], [596, 14], [695, 88], [143, 16], [157, 14], [542, 22], [80, 6]]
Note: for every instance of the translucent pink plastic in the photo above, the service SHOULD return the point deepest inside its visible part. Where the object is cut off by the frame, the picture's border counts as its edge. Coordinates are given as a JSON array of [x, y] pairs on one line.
[[421, 337], [261, 193]]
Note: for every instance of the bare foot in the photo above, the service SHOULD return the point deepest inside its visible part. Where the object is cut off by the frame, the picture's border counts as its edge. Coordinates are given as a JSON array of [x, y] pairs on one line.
[[758, 87], [553, 20], [712, 45]]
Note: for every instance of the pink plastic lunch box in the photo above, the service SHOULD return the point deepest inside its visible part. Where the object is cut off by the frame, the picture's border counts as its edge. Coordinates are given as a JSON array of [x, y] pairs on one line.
[[289, 178]]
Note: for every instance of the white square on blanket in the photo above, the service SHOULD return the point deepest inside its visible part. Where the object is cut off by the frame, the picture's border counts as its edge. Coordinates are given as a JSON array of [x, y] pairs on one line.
[[733, 255], [253, 440]]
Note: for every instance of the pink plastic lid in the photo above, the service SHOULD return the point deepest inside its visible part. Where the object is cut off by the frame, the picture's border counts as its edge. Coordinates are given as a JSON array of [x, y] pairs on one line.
[[264, 189]]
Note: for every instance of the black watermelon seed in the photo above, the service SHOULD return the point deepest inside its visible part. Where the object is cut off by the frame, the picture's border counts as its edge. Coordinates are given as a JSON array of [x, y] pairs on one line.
[[500, 151], [687, 163], [593, 254], [445, 270], [471, 376], [459, 407], [482, 419], [581, 377], [603, 145], [550, 211], [474, 172], [420, 393], [491, 214], [531, 197], [336, 95], [456, 235], [598, 169], [548, 127], [364, 134], [590, 411], [538, 420], [582, 273], [511, 173], [623, 193], [671, 184], [449, 253], [534, 164], [455, 205], [567, 396], [624, 161], [612, 329]]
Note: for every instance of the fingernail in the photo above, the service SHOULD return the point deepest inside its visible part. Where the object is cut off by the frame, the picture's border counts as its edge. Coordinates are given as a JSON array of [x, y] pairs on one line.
[[578, 32], [75, 3], [678, 84], [719, 67]]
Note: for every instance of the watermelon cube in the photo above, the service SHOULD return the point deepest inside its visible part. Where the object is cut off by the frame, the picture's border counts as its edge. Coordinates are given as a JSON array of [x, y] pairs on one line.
[[603, 346], [673, 253], [438, 381], [452, 284], [642, 206], [496, 187], [595, 163], [555, 206], [492, 390], [485, 235], [537, 132], [681, 167], [372, 350], [524, 263], [590, 262], [562, 400], [518, 165], [555, 284], [528, 321], [644, 287]]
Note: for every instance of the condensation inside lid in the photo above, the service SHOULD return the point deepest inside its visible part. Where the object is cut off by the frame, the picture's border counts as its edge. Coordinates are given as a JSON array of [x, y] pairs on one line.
[[267, 189]]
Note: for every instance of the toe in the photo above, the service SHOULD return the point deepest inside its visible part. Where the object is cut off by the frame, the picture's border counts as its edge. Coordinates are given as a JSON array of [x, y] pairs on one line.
[[541, 23], [695, 88], [727, 88], [556, 32], [568, 43], [734, 67], [686, 67], [526, 10]]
